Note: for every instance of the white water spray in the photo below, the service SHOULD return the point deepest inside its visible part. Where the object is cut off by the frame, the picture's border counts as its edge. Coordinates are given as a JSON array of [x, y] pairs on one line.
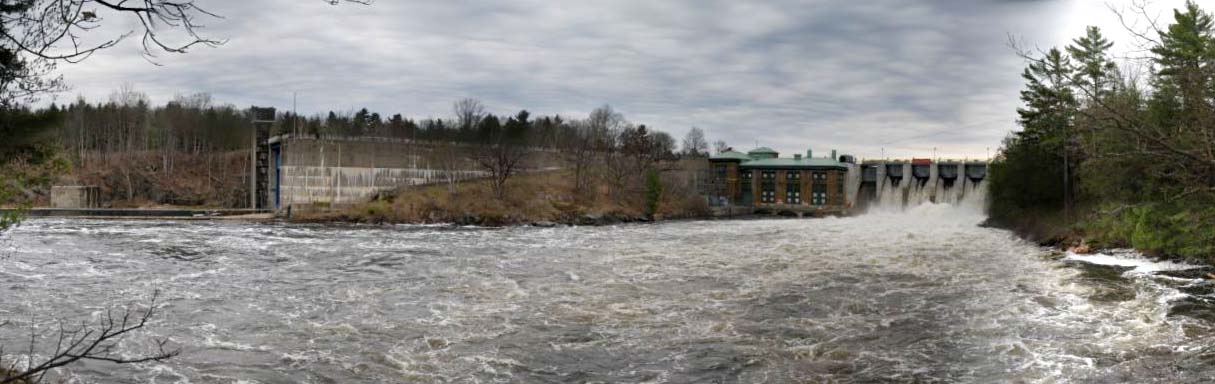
[[910, 192]]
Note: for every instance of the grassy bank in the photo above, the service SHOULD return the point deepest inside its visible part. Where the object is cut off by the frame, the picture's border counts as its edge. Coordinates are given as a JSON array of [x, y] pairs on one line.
[[547, 197]]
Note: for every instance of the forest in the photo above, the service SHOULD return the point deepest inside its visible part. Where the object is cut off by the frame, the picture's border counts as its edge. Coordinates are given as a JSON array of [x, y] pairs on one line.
[[1117, 153], [194, 151]]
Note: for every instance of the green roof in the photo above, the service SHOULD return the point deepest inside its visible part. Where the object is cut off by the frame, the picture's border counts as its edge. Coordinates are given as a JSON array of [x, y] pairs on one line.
[[730, 155], [820, 162], [762, 150]]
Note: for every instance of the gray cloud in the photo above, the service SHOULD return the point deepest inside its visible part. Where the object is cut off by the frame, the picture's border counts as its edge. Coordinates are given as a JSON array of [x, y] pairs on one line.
[[858, 76]]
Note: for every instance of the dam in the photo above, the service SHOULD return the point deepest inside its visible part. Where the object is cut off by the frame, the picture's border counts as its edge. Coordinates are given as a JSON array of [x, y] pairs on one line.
[[903, 183], [309, 172], [759, 181], [348, 170]]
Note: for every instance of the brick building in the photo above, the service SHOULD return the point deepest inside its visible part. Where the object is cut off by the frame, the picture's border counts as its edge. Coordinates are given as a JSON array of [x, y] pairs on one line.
[[762, 180]]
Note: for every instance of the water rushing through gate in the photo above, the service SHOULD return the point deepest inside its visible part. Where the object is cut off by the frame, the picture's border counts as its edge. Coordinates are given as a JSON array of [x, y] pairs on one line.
[[923, 294], [911, 192]]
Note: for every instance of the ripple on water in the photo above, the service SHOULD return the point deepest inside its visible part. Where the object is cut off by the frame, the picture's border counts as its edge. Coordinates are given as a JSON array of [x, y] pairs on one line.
[[924, 295]]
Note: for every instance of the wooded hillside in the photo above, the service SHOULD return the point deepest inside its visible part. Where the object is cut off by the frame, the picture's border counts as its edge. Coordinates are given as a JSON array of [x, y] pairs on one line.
[[1120, 153]]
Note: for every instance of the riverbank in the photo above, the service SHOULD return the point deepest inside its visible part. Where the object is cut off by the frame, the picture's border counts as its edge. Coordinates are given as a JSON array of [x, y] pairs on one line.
[[1161, 231], [543, 199]]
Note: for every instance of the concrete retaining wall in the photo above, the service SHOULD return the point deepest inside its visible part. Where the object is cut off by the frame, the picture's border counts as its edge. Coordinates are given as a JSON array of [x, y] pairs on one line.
[[75, 196], [336, 171]]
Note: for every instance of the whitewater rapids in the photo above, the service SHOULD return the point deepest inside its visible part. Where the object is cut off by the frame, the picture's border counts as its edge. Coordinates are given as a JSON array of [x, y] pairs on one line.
[[921, 295]]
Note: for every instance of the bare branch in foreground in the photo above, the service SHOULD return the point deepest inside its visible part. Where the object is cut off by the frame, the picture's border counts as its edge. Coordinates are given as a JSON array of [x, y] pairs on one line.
[[98, 342]]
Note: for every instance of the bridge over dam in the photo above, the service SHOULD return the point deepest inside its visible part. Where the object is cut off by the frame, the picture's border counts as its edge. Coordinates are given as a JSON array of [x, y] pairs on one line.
[[909, 182]]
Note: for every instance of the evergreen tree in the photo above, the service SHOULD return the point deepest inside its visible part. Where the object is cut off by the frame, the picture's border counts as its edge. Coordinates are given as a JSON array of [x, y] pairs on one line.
[[653, 192], [360, 124], [518, 128], [375, 125], [1094, 70], [1032, 170], [488, 128], [1186, 59]]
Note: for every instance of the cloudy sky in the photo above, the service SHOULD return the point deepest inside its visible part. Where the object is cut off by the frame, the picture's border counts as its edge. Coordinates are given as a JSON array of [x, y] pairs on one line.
[[895, 77]]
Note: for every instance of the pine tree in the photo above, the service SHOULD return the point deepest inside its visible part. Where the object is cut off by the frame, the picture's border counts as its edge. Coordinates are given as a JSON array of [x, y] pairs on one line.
[[1033, 169], [1186, 58], [1095, 72], [653, 192], [1050, 102]]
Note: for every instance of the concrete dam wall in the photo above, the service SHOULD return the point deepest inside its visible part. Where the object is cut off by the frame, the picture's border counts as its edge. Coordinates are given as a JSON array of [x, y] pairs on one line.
[[346, 171], [901, 183]]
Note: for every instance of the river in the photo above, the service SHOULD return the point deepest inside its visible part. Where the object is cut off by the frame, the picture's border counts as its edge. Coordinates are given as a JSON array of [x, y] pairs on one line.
[[924, 295]]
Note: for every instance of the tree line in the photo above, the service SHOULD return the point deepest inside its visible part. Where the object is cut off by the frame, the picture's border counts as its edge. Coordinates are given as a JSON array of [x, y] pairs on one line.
[[139, 151], [194, 123], [1122, 153]]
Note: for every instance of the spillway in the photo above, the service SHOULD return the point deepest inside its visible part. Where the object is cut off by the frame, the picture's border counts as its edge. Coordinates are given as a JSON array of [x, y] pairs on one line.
[[897, 185]]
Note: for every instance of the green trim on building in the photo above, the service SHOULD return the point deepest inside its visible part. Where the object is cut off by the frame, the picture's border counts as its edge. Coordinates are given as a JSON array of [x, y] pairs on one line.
[[730, 156], [763, 153], [763, 150], [785, 163]]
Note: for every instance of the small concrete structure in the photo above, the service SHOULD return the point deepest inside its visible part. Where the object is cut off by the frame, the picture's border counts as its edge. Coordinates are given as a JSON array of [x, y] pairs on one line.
[[75, 196]]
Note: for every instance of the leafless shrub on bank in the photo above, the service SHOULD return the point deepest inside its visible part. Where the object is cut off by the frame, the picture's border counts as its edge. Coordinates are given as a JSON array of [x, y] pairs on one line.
[[98, 341]]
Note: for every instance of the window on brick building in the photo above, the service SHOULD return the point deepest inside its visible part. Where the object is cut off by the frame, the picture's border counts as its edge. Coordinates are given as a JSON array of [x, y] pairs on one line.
[[767, 193]]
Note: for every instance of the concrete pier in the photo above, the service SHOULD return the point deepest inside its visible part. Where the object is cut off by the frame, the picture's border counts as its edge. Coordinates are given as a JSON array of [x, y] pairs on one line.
[[903, 182]]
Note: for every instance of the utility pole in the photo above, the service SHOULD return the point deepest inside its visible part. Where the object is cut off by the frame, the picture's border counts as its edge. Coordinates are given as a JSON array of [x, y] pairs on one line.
[[295, 115], [253, 158]]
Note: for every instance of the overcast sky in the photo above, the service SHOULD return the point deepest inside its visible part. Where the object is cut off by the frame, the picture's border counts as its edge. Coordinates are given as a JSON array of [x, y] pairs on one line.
[[868, 77]]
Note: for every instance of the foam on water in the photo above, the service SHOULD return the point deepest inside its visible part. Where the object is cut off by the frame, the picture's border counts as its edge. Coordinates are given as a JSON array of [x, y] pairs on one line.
[[1137, 262], [919, 293]]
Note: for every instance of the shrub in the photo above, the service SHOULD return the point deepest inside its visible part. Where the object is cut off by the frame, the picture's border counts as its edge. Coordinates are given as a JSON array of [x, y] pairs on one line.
[[1165, 229]]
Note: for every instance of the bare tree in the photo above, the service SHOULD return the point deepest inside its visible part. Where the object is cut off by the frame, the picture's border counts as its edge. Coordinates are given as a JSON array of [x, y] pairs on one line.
[[35, 35], [662, 145], [502, 148], [98, 342], [578, 149], [591, 141], [636, 151], [450, 161], [694, 143], [469, 113], [720, 146], [605, 127]]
